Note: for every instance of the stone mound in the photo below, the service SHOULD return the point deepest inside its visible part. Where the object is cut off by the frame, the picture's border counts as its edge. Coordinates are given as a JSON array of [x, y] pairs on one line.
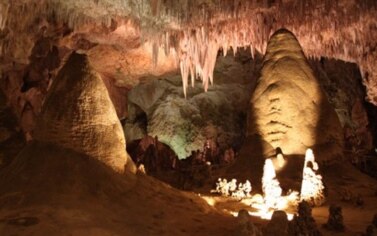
[[288, 108], [79, 115]]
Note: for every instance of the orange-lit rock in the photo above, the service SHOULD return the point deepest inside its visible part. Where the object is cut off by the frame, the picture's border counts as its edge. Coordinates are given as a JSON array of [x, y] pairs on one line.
[[288, 108], [79, 115]]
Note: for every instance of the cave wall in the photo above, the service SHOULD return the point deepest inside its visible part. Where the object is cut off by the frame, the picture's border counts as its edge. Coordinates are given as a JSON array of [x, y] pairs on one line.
[[12, 139], [127, 42], [341, 81], [157, 107]]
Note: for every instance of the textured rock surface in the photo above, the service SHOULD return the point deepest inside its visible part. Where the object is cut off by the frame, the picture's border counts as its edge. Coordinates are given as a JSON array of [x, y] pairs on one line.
[[335, 220], [288, 108], [343, 29], [50, 190], [125, 39], [78, 114], [342, 84], [245, 226], [278, 224], [303, 223], [11, 137], [185, 124]]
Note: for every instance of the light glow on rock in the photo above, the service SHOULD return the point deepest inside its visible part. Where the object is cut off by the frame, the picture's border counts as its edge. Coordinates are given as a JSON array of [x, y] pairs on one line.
[[273, 198], [312, 190], [231, 189], [270, 185], [312, 185]]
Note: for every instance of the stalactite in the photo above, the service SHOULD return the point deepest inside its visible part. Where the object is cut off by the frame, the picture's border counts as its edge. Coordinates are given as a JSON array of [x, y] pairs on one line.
[[4, 8], [155, 52], [155, 7], [213, 24]]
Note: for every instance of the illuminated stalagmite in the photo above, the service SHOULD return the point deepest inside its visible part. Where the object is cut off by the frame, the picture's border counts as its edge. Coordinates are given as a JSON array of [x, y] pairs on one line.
[[312, 188], [290, 110], [78, 114]]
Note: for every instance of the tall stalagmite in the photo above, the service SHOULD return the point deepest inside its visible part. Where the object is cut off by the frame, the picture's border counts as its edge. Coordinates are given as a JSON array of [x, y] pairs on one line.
[[290, 109], [78, 114]]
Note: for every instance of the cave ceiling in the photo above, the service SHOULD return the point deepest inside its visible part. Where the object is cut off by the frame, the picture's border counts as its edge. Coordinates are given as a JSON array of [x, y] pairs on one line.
[[127, 40]]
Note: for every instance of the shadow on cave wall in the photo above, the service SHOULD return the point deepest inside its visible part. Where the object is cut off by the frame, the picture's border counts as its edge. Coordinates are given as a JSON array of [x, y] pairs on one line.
[[12, 139], [251, 157], [342, 83], [329, 144]]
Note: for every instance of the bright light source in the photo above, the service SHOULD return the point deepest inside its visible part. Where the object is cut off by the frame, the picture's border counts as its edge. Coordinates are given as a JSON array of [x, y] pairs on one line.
[[312, 186], [273, 199]]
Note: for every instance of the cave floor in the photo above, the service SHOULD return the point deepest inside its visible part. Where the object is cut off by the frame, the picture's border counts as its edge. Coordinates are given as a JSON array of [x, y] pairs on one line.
[[51, 191], [346, 186]]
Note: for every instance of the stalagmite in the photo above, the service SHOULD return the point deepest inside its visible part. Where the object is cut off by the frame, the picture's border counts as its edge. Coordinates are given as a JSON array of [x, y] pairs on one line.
[[270, 185], [288, 108], [312, 187], [79, 115], [343, 36]]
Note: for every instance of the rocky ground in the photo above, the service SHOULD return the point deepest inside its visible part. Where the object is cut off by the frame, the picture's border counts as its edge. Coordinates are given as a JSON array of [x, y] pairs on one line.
[[50, 190]]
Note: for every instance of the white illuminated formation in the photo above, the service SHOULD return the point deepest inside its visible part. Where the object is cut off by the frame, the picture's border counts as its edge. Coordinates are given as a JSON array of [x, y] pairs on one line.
[[273, 199], [312, 186], [270, 185], [230, 188]]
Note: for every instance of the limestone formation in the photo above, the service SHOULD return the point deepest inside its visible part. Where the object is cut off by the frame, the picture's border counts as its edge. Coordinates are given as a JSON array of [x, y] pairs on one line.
[[371, 231], [245, 226], [79, 115], [335, 220], [278, 224], [374, 222], [11, 137], [303, 223], [288, 108], [186, 124]]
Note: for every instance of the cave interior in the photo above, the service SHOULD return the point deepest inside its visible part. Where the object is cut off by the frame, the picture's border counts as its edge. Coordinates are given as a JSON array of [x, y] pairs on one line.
[[188, 117]]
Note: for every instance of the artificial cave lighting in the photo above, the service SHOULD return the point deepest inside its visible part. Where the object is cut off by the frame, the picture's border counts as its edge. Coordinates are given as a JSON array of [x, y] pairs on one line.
[[272, 195], [265, 110], [231, 189], [270, 185], [312, 186], [273, 199]]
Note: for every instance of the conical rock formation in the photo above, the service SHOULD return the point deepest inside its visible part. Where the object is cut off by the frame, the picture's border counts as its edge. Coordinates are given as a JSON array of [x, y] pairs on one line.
[[78, 114], [288, 108]]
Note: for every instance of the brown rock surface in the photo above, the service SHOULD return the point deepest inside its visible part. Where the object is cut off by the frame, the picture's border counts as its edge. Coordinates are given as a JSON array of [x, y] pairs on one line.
[[288, 108], [78, 114]]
